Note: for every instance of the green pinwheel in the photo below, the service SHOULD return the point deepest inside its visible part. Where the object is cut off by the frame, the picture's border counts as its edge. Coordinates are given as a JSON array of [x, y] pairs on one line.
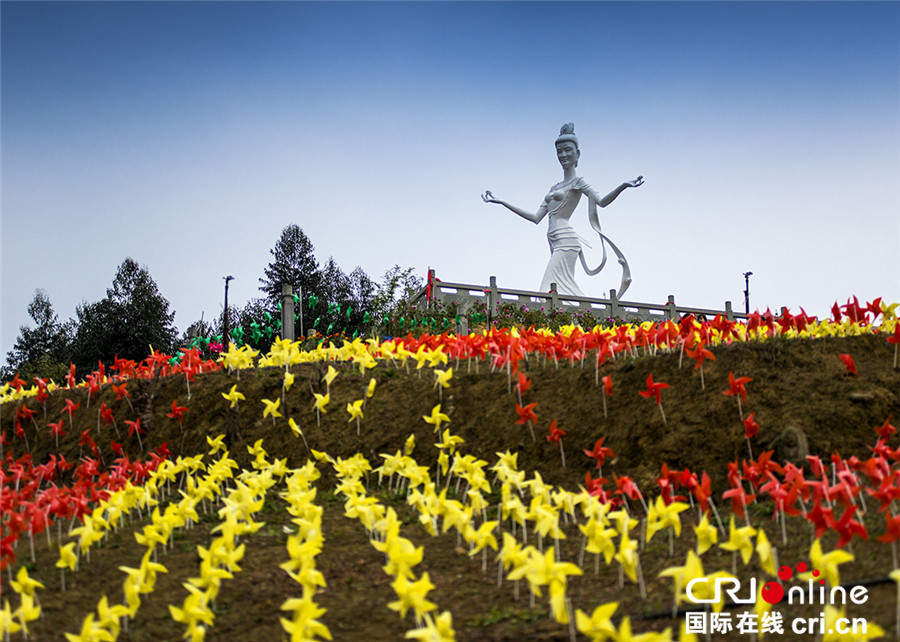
[[313, 300]]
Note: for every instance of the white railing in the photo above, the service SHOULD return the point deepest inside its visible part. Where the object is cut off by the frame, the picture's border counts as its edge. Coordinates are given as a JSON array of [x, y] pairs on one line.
[[466, 296]]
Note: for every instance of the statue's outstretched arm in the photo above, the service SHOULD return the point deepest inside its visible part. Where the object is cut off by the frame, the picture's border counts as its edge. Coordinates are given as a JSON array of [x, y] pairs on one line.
[[609, 198], [536, 217]]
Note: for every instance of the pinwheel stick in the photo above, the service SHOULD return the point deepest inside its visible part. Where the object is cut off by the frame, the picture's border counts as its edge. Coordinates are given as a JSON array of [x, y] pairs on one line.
[[605, 416], [662, 412], [562, 453]]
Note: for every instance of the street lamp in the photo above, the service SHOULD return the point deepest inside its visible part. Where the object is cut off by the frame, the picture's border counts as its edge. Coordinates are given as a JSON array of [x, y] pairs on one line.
[[226, 329], [747, 292]]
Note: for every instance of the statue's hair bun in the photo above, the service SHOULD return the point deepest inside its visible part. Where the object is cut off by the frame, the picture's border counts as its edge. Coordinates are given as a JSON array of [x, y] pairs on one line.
[[568, 128], [567, 134]]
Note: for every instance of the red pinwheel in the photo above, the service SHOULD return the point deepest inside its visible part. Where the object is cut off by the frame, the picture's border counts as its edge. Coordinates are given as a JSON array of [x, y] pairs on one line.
[[599, 453], [106, 415], [57, 431], [607, 391], [736, 389], [70, 408], [626, 487], [120, 392], [895, 340], [700, 355], [134, 428], [177, 412], [886, 429], [556, 434], [653, 390], [849, 364], [70, 377], [527, 416], [87, 440], [522, 386]]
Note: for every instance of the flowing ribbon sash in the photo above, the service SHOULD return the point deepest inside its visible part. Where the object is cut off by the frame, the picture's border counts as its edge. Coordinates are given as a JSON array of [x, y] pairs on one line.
[[594, 218]]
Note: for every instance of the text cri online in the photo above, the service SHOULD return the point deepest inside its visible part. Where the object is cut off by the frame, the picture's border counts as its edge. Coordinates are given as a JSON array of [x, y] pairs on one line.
[[816, 626]]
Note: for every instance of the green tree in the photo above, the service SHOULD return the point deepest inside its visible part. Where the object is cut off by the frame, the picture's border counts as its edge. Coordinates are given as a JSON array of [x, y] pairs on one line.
[[42, 351], [132, 317], [294, 263]]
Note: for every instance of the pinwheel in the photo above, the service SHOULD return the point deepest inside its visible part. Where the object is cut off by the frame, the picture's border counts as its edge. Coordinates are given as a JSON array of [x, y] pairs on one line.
[[599, 453], [751, 429], [106, 415], [556, 435], [442, 380], [682, 576], [707, 535], [665, 516], [57, 431], [439, 629], [297, 432], [320, 402], [271, 409], [70, 409], [736, 389], [412, 596], [607, 391], [355, 410], [305, 624], [598, 627], [328, 378], [527, 416], [67, 560], [849, 364], [134, 428], [233, 396], [654, 388], [436, 418], [739, 541], [121, 391], [700, 355], [177, 413]]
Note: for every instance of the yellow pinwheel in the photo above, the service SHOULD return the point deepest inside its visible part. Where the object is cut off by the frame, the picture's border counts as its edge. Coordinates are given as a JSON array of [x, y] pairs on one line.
[[356, 412], [271, 409], [707, 535], [233, 396], [90, 632], [412, 595], [826, 563], [740, 540], [765, 552], [439, 629], [328, 378], [598, 627], [436, 418], [321, 401], [442, 380]]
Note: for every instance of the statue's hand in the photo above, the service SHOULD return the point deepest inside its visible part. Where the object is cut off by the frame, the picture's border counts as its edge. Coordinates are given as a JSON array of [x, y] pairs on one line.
[[487, 197], [636, 182]]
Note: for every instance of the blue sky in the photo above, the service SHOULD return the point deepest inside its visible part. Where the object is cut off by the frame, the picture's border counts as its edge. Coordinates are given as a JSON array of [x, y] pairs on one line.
[[187, 135]]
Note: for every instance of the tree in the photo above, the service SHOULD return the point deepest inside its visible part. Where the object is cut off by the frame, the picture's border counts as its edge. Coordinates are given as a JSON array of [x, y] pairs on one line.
[[42, 351], [132, 317], [397, 285], [294, 263]]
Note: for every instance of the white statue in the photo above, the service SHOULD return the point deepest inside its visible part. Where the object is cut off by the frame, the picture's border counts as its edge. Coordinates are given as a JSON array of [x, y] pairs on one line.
[[560, 202]]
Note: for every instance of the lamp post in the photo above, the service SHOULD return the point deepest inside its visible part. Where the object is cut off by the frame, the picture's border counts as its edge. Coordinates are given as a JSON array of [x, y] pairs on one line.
[[747, 292], [225, 331]]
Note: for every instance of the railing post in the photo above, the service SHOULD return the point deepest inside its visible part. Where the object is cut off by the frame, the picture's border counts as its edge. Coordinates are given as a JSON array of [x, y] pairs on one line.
[[613, 304], [493, 296], [729, 313], [554, 298], [671, 310], [287, 312]]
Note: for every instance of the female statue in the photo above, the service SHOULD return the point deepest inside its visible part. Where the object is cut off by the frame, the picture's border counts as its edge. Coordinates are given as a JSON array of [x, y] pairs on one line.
[[560, 202]]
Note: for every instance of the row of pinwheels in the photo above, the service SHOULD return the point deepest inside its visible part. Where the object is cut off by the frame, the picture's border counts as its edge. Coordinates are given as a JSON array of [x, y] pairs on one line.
[[546, 507], [505, 348]]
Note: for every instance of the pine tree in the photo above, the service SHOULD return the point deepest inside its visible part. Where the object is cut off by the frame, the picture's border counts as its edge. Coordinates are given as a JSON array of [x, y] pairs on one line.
[[294, 263]]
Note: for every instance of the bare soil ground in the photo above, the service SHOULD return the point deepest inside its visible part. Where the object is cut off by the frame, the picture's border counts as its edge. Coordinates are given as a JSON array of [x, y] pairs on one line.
[[798, 383]]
